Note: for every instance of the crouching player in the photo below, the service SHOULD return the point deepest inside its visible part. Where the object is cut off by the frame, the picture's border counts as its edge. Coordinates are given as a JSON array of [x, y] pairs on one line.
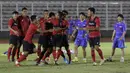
[[14, 34], [81, 39], [118, 37], [28, 46]]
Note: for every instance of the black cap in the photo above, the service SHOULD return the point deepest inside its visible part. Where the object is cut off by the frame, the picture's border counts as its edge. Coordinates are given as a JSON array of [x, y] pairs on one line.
[[120, 15], [15, 12], [33, 17], [92, 9]]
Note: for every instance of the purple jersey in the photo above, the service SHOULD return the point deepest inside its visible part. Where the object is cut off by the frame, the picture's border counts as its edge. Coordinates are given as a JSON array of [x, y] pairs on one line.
[[71, 26], [119, 27], [81, 24]]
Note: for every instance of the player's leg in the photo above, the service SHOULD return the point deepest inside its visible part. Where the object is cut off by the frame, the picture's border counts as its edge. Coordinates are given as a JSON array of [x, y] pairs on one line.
[[9, 51], [84, 45], [13, 44], [20, 39], [91, 43], [121, 44], [97, 45], [40, 41], [68, 53], [114, 46], [77, 43], [41, 55], [13, 53]]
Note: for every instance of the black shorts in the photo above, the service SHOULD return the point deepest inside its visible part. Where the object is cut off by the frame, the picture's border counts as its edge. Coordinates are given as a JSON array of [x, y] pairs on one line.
[[45, 41], [64, 41], [13, 39], [57, 40], [94, 41], [21, 39], [28, 47], [60, 40], [41, 39]]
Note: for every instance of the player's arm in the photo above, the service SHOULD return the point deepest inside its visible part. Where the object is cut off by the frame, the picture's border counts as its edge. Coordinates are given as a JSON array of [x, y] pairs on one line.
[[113, 35], [124, 32], [10, 28]]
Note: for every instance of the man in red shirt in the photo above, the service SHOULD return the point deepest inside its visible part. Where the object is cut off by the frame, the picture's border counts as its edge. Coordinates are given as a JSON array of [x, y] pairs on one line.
[[24, 22], [46, 39], [41, 39], [93, 26], [60, 38], [14, 34], [28, 46]]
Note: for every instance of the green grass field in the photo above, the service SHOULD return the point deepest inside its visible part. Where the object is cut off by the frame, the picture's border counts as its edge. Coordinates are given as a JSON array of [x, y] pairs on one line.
[[80, 67]]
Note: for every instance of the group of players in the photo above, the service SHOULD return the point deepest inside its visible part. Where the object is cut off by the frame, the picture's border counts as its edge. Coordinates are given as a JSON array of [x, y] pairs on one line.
[[53, 36]]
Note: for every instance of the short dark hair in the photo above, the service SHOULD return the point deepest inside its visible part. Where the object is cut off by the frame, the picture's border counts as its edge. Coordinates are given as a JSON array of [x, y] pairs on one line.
[[33, 17], [82, 13], [24, 8], [92, 9], [46, 10], [65, 12], [51, 14], [15, 12], [120, 15]]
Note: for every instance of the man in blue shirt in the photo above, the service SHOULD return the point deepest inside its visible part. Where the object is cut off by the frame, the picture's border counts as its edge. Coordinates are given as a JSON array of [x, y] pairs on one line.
[[118, 37], [81, 39]]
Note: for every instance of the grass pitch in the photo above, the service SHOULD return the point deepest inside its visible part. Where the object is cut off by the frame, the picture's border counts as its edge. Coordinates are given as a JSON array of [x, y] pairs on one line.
[[79, 67]]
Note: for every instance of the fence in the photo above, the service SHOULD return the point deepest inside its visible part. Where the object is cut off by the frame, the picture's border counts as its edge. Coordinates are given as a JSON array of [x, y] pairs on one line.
[[107, 11]]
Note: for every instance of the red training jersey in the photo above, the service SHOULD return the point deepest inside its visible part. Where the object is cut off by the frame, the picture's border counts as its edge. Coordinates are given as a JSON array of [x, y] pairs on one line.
[[63, 24], [30, 33], [93, 23], [14, 25], [24, 23]]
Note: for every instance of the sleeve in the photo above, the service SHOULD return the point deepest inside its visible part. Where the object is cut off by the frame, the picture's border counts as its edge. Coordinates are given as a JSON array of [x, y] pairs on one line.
[[114, 26], [124, 27], [67, 24], [10, 22], [97, 22]]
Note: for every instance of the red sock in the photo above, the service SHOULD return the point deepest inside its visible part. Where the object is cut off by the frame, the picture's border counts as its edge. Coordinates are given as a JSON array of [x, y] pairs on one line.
[[93, 55], [54, 54], [17, 53], [59, 53], [39, 51], [100, 53], [9, 53], [13, 53], [45, 56], [22, 57], [69, 54]]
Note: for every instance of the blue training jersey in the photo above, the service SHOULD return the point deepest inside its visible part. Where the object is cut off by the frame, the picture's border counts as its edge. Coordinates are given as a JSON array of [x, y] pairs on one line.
[[120, 27], [81, 24]]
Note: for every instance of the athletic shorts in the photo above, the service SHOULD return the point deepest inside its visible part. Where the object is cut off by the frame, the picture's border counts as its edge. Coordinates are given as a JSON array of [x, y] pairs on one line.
[[60, 40], [41, 39], [13, 39], [118, 43], [81, 42], [21, 39], [94, 41], [28, 47]]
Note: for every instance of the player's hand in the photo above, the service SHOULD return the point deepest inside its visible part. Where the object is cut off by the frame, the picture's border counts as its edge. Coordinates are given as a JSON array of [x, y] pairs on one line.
[[120, 38], [112, 39], [16, 33], [50, 30]]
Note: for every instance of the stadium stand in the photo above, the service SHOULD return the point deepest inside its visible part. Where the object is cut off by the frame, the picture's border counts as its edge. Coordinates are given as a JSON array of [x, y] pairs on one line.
[[107, 10]]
